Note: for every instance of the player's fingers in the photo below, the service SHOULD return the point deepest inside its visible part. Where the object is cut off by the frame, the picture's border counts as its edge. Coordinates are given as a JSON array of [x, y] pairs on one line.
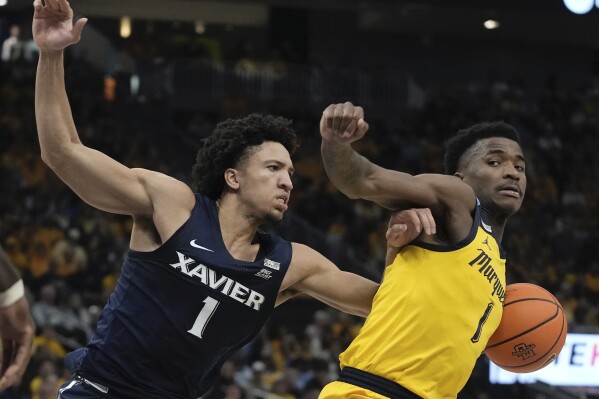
[[52, 5], [394, 231], [411, 216], [22, 357], [323, 124], [337, 118], [431, 221], [408, 216], [427, 220], [78, 28], [328, 116], [351, 127], [398, 236], [10, 377], [37, 5], [349, 117], [12, 374], [357, 111], [7, 356], [361, 128], [424, 220], [63, 5], [8, 347], [346, 120]]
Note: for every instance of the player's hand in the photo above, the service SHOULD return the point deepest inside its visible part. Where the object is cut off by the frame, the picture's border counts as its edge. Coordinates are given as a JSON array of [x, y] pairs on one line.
[[404, 227], [16, 331], [53, 27], [343, 123]]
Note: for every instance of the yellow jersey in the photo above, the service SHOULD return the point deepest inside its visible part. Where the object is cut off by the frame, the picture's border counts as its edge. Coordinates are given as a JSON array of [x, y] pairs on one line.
[[433, 314]]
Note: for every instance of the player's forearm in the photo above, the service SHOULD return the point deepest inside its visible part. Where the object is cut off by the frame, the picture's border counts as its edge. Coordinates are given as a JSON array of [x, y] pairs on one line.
[[11, 285], [358, 294], [56, 128], [346, 168]]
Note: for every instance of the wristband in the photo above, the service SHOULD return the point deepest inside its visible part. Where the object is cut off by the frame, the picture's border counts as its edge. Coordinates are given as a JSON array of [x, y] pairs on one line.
[[13, 294]]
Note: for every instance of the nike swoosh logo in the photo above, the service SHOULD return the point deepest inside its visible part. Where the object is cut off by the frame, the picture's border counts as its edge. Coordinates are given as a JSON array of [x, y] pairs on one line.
[[193, 244]]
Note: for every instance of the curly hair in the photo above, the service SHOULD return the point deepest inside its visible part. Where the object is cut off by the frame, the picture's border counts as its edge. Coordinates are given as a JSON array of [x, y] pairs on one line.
[[456, 146], [230, 144]]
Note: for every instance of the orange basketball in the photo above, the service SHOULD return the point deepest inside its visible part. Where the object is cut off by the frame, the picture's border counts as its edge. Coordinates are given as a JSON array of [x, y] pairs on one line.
[[532, 331]]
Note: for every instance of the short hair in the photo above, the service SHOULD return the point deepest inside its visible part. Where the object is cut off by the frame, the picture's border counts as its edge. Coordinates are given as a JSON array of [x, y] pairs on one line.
[[229, 145], [464, 139]]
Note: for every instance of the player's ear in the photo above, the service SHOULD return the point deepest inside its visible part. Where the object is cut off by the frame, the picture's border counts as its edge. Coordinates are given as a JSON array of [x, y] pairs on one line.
[[232, 178]]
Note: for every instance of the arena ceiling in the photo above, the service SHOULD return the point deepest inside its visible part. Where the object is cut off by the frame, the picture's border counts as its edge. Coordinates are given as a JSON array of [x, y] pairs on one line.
[[545, 21]]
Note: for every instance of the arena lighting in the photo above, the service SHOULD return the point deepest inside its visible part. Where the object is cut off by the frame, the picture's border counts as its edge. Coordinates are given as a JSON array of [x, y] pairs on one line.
[[580, 6], [200, 27], [125, 29], [3, 2], [493, 24]]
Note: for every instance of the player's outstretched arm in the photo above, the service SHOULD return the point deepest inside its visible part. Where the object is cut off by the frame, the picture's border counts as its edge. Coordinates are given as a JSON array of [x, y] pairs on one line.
[[16, 324], [96, 178], [357, 177], [315, 275]]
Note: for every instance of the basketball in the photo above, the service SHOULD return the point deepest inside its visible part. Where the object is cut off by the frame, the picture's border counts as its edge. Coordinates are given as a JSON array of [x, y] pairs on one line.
[[532, 330]]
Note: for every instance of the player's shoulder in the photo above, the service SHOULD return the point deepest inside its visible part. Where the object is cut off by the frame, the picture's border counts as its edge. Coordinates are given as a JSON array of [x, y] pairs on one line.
[[163, 185], [152, 176]]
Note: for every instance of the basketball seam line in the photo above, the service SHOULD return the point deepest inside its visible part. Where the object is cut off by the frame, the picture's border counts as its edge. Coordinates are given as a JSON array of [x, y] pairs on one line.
[[530, 299], [527, 331]]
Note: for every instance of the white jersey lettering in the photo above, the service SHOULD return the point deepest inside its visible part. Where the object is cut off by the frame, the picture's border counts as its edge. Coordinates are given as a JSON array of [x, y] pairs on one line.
[[210, 278]]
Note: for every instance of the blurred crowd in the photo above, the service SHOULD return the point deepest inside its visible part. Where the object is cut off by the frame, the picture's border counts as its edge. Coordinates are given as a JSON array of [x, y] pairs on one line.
[[70, 254]]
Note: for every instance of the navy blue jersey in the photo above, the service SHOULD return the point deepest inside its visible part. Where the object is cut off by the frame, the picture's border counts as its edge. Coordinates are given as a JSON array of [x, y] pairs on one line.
[[179, 312]]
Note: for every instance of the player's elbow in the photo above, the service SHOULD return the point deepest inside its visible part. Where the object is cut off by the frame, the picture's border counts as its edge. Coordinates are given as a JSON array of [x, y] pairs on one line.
[[51, 160], [356, 189], [353, 195], [361, 186], [57, 157]]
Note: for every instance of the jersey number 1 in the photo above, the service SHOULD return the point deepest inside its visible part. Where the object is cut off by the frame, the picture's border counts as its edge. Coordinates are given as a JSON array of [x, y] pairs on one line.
[[481, 323], [210, 305]]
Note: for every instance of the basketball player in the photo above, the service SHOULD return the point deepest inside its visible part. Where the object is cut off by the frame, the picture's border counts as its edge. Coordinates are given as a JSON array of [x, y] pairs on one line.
[[441, 299], [16, 324], [200, 279]]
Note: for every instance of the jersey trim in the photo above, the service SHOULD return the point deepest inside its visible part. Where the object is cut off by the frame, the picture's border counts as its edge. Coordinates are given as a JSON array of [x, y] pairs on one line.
[[375, 383]]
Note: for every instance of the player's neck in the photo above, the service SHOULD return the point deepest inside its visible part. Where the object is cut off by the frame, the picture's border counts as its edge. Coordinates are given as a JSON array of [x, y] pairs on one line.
[[238, 231]]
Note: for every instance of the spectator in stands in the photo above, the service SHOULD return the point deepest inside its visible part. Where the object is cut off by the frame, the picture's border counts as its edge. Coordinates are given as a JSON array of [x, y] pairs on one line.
[[12, 47]]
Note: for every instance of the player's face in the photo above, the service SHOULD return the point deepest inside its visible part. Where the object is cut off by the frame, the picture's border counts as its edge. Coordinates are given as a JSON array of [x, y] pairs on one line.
[[496, 171], [265, 182]]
